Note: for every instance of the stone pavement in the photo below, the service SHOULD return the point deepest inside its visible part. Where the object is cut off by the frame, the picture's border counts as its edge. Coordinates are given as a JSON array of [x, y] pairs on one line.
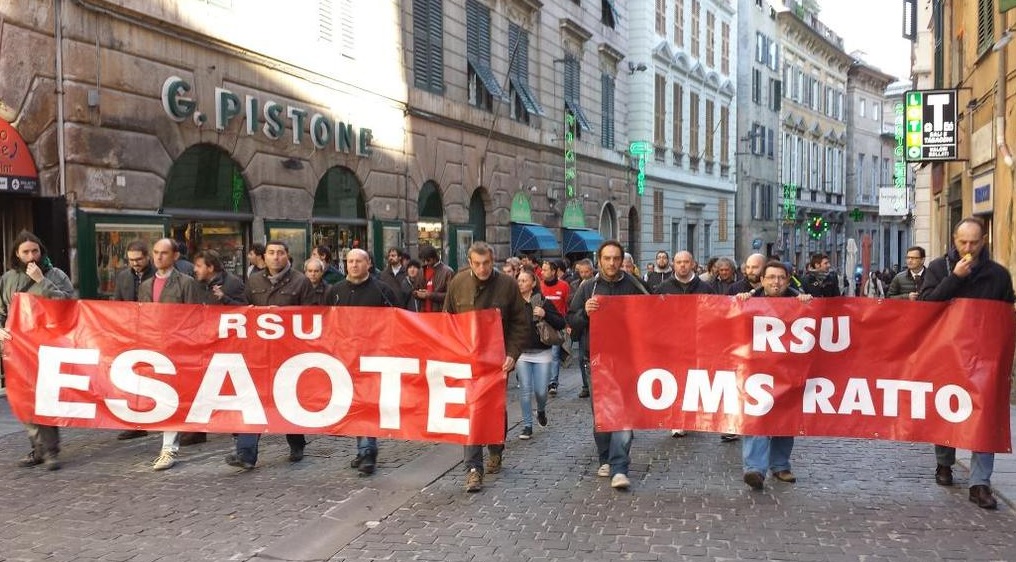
[[854, 500]]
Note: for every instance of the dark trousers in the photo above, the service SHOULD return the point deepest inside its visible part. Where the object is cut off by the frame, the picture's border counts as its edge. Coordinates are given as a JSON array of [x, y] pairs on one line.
[[45, 440], [473, 454], [247, 445]]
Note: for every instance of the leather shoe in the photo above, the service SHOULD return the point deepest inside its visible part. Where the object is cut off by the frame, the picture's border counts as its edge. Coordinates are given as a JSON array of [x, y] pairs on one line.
[[785, 476], [131, 434], [754, 479], [234, 459], [943, 476], [981, 495], [295, 454]]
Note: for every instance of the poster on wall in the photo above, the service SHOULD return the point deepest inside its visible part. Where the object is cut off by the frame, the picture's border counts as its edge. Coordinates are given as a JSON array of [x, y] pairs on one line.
[[18, 173]]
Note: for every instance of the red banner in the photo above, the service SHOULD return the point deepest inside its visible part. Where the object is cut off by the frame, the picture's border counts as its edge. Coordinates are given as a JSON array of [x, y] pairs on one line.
[[842, 367], [341, 371]]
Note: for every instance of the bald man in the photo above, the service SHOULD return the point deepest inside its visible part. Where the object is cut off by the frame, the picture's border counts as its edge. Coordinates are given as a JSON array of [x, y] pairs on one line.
[[752, 270]]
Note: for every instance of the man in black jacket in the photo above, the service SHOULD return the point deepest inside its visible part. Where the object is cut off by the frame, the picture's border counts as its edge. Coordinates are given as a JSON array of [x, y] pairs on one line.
[[967, 271], [359, 288], [661, 271], [279, 284], [217, 285], [820, 280], [139, 269], [613, 447]]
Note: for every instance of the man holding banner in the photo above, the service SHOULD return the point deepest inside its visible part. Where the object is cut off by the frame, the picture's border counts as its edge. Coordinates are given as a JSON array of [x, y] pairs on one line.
[[613, 447], [481, 288], [762, 453], [967, 271]]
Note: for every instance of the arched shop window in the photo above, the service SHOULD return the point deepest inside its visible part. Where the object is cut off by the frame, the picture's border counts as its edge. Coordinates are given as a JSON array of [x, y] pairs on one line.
[[340, 213], [608, 222], [208, 206], [633, 233], [431, 213]]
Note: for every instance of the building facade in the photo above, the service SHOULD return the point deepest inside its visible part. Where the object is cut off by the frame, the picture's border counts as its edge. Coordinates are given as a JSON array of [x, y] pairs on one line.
[[683, 74], [374, 125], [814, 137], [758, 150]]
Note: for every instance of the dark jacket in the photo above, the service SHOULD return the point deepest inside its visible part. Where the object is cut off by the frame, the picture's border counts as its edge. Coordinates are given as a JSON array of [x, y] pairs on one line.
[[721, 287], [291, 289], [655, 278], [333, 274], [742, 286], [126, 283], [180, 288], [321, 292], [442, 277], [466, 293], [987, 280], [232, 290], [905, 283], [552, 316], [821, 285], [395, 282], [409, 302], [370, 292], [625, 284], [674, 287], [790, 292]]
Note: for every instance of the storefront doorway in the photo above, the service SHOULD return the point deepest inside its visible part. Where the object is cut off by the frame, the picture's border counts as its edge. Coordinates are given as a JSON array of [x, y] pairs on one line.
[[340, 213], [430, 228]]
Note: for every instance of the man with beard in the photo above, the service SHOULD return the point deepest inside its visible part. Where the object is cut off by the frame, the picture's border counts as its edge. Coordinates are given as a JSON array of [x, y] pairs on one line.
[[752, 275], [31, 272], [556, 292], [613, 447], [217, 285], [279, 284], [762, 454], [583, 270], [139, 269], [661, 271], [394, 274]]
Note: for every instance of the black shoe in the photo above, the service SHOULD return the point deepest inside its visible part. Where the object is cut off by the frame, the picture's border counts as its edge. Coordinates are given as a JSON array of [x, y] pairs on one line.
[[295, 454], [754, 479], [981, 495], [729, 438], [187, 439], [131, 434], [541, 418], [584, 393], [368, 463], [527, 433], [943, 476], [355, 463], [234, 459], [552, 389], [51, 464], [30, 460]]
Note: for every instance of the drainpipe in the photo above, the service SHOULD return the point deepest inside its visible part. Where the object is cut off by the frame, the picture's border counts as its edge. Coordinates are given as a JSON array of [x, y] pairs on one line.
[[60, 149], [1001, 48]]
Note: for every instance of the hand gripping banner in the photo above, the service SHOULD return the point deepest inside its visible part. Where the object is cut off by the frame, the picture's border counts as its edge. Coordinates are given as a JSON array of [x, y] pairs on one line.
[[335, 370], [841, 367]]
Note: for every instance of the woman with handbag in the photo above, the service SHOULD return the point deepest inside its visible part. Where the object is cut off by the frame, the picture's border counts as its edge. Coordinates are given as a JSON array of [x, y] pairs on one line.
[[533, 366]]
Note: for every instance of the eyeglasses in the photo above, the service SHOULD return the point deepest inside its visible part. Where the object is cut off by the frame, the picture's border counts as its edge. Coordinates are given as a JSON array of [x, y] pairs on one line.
[[775, 278]]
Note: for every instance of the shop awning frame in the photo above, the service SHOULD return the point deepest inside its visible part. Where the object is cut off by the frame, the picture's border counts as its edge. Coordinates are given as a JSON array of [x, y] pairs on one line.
[[532, 238], [580, 240]]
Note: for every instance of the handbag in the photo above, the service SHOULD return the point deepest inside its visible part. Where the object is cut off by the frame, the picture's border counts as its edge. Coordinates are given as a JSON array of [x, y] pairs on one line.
[[548, 335]]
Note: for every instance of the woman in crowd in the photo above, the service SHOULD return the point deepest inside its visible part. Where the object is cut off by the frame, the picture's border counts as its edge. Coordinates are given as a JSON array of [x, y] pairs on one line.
[[533, 366]]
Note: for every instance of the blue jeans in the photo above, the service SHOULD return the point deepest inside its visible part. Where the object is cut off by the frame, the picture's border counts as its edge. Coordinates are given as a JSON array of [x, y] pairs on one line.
[[555, 366], [533, 379], [762, 454], [247, 445], [366, 446], [981, 464], [614, 448]]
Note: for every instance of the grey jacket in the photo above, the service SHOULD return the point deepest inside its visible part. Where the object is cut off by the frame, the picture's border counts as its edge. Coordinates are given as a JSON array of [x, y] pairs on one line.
[[55, 285], [179, 288]]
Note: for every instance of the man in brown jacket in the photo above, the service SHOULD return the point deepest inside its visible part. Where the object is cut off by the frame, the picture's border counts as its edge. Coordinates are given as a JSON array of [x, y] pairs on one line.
[[481, 288], [171, 286]]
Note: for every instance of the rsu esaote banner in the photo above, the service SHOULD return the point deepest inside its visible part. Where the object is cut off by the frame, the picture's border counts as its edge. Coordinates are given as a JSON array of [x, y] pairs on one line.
[[335, 370], [896, 370]]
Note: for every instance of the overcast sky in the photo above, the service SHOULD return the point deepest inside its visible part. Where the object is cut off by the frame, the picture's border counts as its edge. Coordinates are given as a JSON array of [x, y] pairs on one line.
[[872, 26]]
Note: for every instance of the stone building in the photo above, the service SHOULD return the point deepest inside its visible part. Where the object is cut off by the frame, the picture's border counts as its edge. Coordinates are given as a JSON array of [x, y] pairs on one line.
[[814, 137], [758, 149], [352, 124], [682, 72]]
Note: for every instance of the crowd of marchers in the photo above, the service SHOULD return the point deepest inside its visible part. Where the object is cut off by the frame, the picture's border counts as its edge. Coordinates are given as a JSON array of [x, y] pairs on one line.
[[547, 309]]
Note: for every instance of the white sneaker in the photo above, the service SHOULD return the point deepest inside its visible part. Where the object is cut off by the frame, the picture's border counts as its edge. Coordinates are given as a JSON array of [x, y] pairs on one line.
[[603, 471], [165, 461], [620, 481], [678, 433]]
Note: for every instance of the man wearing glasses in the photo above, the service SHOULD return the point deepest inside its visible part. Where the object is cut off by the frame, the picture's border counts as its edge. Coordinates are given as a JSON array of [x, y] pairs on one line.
[[763, 454], [127, 281], [907, 284]]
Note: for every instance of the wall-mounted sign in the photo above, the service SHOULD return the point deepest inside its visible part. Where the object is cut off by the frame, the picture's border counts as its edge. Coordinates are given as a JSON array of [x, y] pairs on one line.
[[789, 202], [570, 169], [931, 125], [892, 202], [899, 152], [17, 168], [272, 117], [640, 149], [983, 202]]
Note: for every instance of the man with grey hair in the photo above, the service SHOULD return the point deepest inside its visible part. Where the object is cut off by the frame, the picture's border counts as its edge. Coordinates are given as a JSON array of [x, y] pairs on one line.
[[314, 269], [726, 276], [477, 288]]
